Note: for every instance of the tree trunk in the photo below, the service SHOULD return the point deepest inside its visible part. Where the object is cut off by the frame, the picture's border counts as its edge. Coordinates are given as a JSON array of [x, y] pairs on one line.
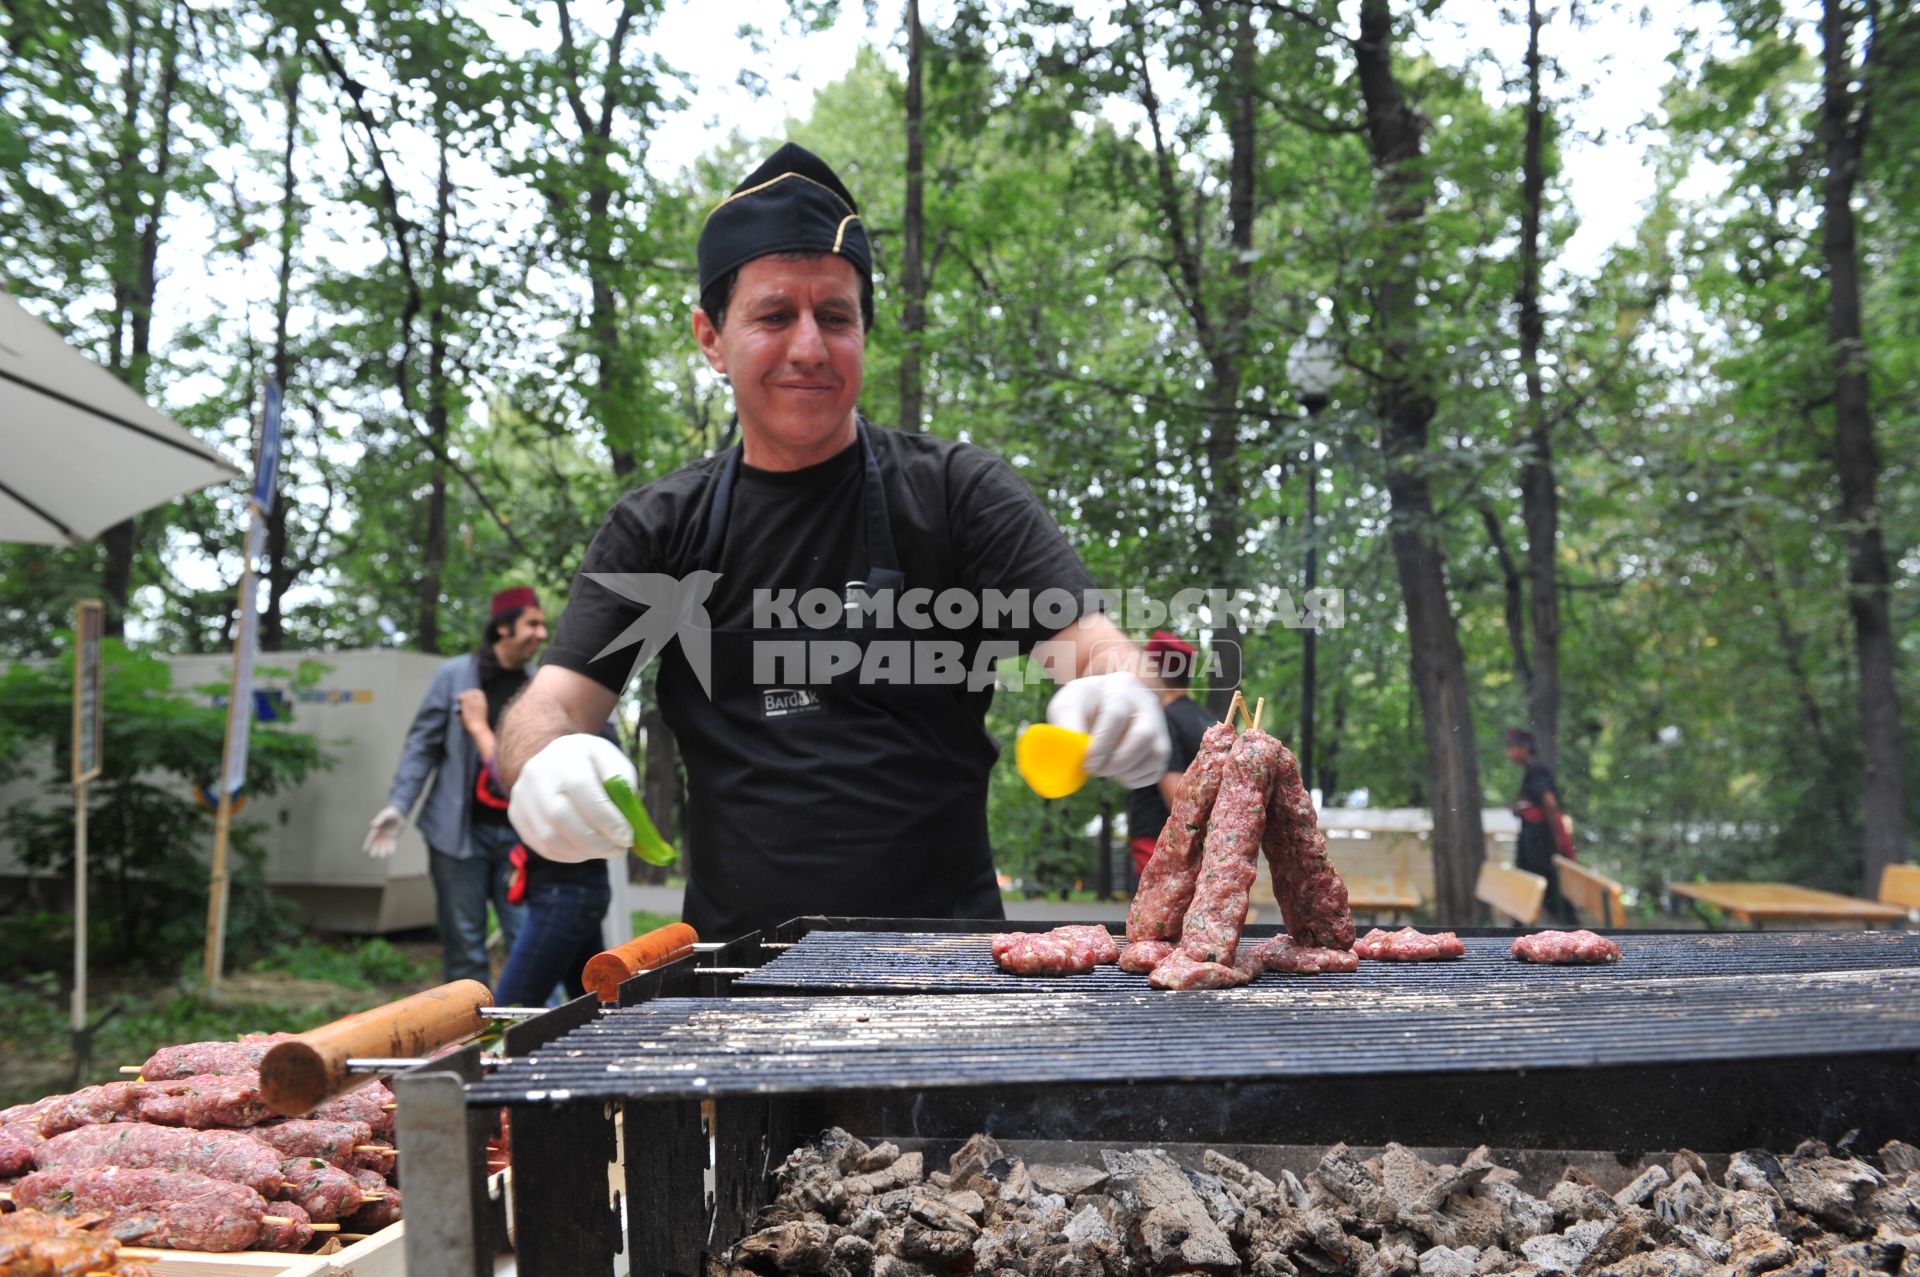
[[279, 570], [1539, 503], [1843, 133], [433, 549], [135, 257], [1406, 411], [913, 317]]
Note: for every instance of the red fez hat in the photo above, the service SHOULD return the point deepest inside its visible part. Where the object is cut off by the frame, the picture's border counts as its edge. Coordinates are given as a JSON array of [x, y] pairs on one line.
[[516, 596], [1165, 642], [1519, 738]]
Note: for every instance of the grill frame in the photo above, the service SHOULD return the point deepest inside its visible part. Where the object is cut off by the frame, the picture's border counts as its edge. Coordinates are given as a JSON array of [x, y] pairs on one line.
[[665, 1226]]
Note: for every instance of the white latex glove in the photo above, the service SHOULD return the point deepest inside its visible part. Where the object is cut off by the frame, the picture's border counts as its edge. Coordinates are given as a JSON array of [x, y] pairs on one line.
[[1128, 727], [383, 835], [560, 806]]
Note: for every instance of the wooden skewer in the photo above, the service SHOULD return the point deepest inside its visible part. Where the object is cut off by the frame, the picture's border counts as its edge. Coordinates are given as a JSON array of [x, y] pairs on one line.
[[388, 1108], [131, 1068], [1259, 708], [1235, 706], [375, 1196], [321, 1228], [388, 1150], [276, 1219]]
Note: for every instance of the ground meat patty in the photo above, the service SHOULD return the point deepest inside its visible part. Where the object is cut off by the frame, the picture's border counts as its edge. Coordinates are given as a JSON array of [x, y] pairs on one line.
[[17, 1143], [151, 1208], [1166, 884], [1312, 898], [1041, 953], [335, 1143], [370, 1104], [1181, 972], [1566, 948], [378, 1213], [1096, 940], [227, 1155], [325, 1192], [1211, 929], [1409, 945], [90, 1105], [1142, 956], [290, 1230], [205, 1100], [194, 1059], [1284, 954]]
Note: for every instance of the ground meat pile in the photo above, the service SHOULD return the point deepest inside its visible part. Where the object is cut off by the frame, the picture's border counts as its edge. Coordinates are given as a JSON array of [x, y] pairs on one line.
[[1241, 797], [1566, 948], [1409, 945], [847, 1209], [179, 1161], [1062, 951]]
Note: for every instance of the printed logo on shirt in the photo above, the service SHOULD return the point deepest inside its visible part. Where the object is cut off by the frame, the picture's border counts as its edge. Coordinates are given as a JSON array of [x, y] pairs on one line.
[[785, 702]]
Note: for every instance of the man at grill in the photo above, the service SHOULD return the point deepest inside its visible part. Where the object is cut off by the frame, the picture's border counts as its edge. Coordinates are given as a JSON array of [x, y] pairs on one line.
[[816, 786]]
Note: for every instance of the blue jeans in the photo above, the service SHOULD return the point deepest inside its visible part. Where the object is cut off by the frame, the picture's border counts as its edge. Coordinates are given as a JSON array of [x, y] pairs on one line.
[[462, 890], [562, 931]]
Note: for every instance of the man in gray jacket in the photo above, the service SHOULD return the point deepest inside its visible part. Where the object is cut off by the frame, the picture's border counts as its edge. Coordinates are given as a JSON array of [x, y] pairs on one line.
[[468, 838]]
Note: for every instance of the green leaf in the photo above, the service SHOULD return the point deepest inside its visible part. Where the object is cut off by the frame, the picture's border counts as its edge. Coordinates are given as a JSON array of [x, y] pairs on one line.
[[647, 842]]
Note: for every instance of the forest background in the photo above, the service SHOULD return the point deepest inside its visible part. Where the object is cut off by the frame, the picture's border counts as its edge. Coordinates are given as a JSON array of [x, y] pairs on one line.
[[1660, 506]]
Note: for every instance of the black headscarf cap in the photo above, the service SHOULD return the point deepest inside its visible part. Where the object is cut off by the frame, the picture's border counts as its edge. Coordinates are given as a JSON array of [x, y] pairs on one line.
[[793, 203]]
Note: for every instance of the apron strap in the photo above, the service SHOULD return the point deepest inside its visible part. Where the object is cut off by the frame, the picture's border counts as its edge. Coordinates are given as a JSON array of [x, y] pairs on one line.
[[717, 511]]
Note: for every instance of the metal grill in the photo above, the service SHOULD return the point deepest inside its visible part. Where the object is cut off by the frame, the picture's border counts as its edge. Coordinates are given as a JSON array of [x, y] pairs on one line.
[[697, 1047], [897, 962]]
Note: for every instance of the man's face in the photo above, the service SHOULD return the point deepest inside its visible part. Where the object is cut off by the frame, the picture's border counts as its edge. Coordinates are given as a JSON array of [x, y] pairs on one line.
[[522, 644], [1518, 754], [795, 351]]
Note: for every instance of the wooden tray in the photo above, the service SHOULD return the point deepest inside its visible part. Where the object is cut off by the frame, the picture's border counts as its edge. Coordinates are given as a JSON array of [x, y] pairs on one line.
[[381, 1254]]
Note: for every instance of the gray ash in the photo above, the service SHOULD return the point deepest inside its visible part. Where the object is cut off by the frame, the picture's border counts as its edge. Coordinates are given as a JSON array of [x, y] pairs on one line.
[[847, 1209]]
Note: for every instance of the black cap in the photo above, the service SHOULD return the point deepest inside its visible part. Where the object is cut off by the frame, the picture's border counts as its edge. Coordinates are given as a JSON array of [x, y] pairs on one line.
[[793, 203]]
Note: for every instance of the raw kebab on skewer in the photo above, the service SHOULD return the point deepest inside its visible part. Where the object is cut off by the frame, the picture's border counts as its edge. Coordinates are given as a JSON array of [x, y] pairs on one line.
[[175, 1209], [34, 1244]]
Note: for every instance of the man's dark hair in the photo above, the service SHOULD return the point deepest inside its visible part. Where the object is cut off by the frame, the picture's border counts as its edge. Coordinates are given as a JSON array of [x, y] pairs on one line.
[[717, 296], [498, 627]]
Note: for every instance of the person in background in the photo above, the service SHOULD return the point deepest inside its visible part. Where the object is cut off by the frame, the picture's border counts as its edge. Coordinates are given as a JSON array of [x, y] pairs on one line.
[[469, 842], [565, 901], [1168, 668], [1543, 827]]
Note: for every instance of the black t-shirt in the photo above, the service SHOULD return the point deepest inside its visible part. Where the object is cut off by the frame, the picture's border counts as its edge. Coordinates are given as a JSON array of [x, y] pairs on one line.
[[960, 518], [792, 812], [1537, 783], [1187, 721]]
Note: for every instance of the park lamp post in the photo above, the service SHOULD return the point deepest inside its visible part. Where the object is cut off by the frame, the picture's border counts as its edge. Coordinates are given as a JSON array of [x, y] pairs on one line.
[[1313, 367]]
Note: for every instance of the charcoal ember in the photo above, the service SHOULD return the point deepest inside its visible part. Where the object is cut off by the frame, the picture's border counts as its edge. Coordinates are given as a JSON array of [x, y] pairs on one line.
[[1669, 1261], [1447, 1261], [937, 1213], [1896, 1156], [853, 1254], [890, 1265], [1449, 1180], [1351, 1181], [1896, 1203], [968, 1203], [877, 1158], [1755, 1169], [1755, 1250], [1089, 1225], [1564, 1252], [1492, 1260], [1005, 1245], [1702, 1244], [1688, 1160], [1642, 1187], [1065, 1259], [906, 1169], [1522, 1214], [1293, 1191], [937, 1247], [1238, 1175], [1752, 1208], [1171, 1225], [798, 1246], [1391, 1259], [1066, 1180], [1634, 1229], [1271, 1263], [1689, 1201], [973, 1160], [1572, 1201], [1830, 1189]]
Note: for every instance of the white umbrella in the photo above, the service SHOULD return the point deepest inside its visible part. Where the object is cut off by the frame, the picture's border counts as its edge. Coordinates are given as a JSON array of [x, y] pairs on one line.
[[79, 450]]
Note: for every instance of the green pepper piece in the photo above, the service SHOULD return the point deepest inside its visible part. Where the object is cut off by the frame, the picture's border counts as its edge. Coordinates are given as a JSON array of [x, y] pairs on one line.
[[647, 842]]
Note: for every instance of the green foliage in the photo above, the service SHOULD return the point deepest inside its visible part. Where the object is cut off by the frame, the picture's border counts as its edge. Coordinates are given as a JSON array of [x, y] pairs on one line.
[[147, 834]]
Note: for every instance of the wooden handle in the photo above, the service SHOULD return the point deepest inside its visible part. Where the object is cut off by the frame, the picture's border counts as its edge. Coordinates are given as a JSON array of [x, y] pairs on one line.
[[606, 969], [309, 1070]]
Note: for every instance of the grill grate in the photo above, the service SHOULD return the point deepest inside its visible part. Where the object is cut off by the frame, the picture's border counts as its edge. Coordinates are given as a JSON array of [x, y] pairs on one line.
[[896, 962], [695, 1048]]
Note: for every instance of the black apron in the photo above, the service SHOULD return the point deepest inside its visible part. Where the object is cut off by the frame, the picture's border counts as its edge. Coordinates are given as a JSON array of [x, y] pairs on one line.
[[835, 798]]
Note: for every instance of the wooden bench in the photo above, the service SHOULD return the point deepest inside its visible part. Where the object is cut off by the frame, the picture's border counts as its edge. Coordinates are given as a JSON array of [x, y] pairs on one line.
[[1513, 892], [1900, 885], [1592, 893]]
